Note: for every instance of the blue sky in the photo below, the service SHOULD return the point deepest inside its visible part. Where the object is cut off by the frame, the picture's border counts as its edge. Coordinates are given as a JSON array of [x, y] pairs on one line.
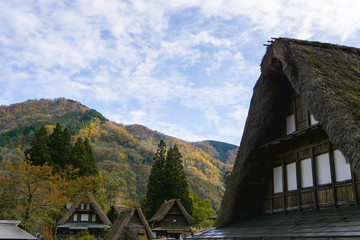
[[185, 68]]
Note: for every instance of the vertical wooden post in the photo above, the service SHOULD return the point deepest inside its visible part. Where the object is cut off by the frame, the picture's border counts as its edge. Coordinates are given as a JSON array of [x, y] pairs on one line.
[[308, 118], [314, 177], [298, 181], [353, 181], [332, 172], [272, 189], [284, 184], [295, 115]]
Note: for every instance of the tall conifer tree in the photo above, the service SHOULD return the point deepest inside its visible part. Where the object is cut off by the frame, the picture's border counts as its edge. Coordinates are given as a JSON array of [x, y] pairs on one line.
[[60, 147], [156, 194], [56, 150], [39, 153], [84, 159], [175, 179], [167, 181]]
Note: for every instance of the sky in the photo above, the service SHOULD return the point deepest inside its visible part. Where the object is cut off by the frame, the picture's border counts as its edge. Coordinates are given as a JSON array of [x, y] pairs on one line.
[[185, 68]]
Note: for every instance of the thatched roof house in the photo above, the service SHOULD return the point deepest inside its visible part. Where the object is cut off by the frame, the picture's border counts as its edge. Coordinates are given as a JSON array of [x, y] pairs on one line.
[[83, 214], [303, 122], [171, 219], [128, 223]]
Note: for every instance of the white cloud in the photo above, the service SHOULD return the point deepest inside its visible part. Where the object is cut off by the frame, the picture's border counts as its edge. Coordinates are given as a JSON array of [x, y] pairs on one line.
[[133, 58]]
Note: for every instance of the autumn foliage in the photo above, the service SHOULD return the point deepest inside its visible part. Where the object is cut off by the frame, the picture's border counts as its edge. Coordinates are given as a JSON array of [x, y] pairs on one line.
[[37, 196]]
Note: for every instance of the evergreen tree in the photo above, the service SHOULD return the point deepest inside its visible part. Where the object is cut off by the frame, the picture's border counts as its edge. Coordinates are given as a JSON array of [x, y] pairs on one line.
[[56, 150], [84, 159], [176, 184], [156, 193], [167, 181], [39, 153], [60, 147]]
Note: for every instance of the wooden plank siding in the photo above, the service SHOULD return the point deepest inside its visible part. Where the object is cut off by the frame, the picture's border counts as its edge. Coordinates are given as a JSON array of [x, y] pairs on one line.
[[318, 196], [307, 142]]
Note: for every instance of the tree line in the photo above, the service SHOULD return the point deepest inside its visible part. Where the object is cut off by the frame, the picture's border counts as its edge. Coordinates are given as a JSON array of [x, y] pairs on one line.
[[54, 171], [57, 150]]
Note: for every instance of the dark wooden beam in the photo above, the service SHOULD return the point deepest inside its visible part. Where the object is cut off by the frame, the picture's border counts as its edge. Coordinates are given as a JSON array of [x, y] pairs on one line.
[[332, 172], [314, 178], [353, 181], [298, 181], [284, 184]]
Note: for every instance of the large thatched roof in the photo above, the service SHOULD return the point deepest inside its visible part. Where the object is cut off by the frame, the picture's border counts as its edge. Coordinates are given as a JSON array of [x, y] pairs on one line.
[[165, 208], [120, 226], [327, 76], [85, 198]]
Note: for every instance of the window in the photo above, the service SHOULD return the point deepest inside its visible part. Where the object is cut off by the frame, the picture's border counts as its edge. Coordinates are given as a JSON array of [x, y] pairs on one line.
[[82, 205], [313, 121], [290, 124], [306, 173], [75, 218], [278, 179], [342, 168], [84, 217], [88, 206], [291, 176], [323, 169], [93, 218], [305, 166]]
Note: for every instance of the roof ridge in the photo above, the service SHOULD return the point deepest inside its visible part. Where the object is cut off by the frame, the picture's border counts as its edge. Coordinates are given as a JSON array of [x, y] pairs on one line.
[[318, 44]]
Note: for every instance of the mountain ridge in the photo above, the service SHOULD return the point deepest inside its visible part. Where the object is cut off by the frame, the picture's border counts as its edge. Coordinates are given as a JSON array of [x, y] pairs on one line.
[[127, 149]]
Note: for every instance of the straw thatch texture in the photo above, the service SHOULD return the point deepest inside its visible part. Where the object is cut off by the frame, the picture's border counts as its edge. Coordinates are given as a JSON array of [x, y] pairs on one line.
[[165, 208], [86, 198], [120, 228], [327, 76]]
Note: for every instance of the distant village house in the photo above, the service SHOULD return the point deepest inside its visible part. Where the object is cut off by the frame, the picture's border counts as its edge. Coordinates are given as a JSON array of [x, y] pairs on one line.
[[128, 223], [84, 214], [171, 220]]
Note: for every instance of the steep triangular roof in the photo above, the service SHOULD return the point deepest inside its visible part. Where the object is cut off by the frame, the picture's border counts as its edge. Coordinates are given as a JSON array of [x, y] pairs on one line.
[[124, 215], [327, 76], [85, 198], [165, 208]]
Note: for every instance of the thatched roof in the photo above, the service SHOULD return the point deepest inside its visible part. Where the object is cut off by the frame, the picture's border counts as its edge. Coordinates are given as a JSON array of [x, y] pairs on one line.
[[165, 208], [85, 198], [120, 228], [327, 76]]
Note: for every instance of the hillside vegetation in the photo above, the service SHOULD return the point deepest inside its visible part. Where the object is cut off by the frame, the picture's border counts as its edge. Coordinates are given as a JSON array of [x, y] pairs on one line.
[[123, 151]]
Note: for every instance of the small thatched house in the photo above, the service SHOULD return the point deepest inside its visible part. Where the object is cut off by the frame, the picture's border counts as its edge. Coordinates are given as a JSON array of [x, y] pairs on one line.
[[10, 229], [171, 220], [84, 214], [296, 171], [128, 223]]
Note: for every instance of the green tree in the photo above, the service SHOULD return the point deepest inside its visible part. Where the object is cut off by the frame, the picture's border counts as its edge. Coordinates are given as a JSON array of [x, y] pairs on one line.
[[111, 187], [176, 185], [156, 192], [56, 150], [83, 158], [60, 147], [167, 181], [39, 153], [202, 209]]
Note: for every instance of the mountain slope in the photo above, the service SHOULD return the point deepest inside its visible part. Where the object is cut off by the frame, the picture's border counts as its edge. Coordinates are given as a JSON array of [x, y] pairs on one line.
[[125, 152]]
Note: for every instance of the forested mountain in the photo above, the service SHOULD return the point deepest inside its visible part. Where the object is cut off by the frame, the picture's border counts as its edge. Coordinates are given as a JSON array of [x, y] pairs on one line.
[[123, 152]]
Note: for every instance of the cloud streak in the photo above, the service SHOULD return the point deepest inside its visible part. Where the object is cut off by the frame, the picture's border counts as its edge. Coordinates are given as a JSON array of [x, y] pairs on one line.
[[185, 68]]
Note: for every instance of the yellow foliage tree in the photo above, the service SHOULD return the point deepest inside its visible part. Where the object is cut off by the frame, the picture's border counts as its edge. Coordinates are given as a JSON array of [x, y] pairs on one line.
[[36, 195]]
